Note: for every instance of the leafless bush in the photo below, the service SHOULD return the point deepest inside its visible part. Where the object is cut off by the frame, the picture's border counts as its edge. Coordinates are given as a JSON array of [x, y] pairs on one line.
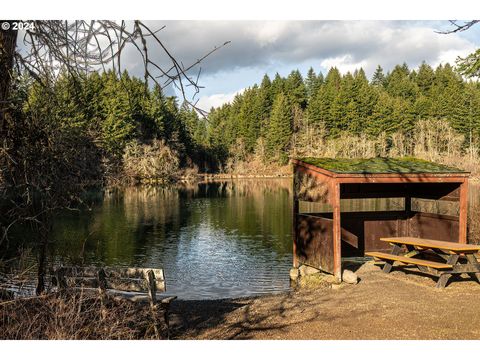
[[76, 316], [309, 140], [155, 161], [436, 138]]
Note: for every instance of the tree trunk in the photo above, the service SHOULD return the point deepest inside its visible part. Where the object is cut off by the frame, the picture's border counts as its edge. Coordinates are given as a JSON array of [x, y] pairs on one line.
[[8, 43], [44, 231]]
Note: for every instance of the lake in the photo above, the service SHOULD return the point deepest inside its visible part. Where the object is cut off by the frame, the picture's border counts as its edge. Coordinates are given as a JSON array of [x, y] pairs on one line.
[[214, 240]]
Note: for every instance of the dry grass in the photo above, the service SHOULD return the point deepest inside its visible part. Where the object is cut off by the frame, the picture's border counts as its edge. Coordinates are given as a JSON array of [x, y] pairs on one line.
[[76, 316], [433, 140]]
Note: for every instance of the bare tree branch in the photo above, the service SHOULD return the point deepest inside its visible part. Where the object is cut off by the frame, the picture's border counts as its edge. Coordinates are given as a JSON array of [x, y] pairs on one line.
[[459, 26], [81, 47]]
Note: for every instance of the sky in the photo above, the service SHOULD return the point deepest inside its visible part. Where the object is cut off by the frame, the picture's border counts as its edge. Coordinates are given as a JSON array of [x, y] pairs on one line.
[[267, 47]]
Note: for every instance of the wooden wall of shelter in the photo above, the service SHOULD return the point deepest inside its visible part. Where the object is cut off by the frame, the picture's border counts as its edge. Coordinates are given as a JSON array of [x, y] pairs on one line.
[[320, 238]]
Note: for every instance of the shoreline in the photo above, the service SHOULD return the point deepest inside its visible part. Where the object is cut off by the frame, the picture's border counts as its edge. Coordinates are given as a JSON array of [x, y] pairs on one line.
[[380, 306]]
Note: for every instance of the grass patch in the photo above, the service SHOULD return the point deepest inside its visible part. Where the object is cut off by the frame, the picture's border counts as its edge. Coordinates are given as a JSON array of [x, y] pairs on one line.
[[380, 165]]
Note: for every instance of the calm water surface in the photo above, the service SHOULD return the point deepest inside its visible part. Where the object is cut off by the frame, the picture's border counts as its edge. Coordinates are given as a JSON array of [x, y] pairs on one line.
[[214, 240]]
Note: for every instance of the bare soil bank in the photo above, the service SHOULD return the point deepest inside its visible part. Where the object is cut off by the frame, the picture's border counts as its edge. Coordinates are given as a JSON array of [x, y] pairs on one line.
[[399, 305]]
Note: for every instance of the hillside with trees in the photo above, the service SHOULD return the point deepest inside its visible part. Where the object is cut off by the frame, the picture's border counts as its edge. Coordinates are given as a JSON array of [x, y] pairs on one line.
[[124, 131], [426, 112]]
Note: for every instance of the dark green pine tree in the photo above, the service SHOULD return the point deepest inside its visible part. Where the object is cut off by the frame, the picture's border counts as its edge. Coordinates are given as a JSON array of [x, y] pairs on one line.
[[390, 114], [280, 129], [264, 104], [94, 87], [319, 107], [216, 130], [425, 78], [472, 118], [248, 118], [448, 96], [312, 83], [278, 85], [118, 125], [364, 98], [400, 84], [295, 89], [378, 78], [69, 98], [232, 128], [158, 113], [342, 110]]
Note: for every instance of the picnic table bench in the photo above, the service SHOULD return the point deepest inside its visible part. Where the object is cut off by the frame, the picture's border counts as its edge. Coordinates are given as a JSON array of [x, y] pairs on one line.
[[133, 284], [444, 258]]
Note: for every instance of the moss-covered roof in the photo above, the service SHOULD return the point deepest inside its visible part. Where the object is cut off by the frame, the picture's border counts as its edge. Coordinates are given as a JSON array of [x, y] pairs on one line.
[[379, 165]]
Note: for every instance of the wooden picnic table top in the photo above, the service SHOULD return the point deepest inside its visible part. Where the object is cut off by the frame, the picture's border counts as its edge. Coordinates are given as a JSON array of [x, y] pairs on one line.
[[434, 244]]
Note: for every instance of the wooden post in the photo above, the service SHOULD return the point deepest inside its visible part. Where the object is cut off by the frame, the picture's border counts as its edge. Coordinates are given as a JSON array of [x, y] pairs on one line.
[[102, 288], [102, 283], [337, 241], [408, 204], [60, 278], [294, 231], [294, 220], [152, 287], [152, 294], [463, 212]]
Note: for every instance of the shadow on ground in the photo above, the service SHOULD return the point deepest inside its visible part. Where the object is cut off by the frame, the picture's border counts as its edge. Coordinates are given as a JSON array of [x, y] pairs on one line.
[[399, 305]]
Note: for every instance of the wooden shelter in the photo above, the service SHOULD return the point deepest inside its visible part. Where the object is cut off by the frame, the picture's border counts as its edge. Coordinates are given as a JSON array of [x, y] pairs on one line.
[[320, 238]]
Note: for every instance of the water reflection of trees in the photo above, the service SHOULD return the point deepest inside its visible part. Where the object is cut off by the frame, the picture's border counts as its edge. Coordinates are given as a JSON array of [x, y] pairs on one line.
[[138, 223]]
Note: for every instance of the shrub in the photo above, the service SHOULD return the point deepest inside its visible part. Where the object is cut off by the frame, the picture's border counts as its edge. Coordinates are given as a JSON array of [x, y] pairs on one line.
[[155, 161]]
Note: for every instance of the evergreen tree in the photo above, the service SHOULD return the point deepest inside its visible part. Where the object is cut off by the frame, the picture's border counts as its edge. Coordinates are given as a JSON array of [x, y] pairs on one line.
[[278, 85], [280, 129], [264, 104], [248, 118], [399, 84], [312, 83], [295, 89], [319, 109], [118, 125], [378, 78], [425, 78]]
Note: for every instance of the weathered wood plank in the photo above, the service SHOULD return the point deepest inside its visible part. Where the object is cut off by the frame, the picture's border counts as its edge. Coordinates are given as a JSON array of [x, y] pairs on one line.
[[409, 260], [110, 272], [443, 279], [433, 244], [127, 279]]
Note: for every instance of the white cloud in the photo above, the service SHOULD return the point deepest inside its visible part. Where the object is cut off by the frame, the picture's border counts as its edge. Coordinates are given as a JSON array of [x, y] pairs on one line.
[[450, 56], [216, 100], [343, 63], [344, 44]]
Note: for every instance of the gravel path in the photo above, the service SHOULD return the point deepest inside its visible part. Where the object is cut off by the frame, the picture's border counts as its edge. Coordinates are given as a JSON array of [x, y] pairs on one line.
[[399, 305]]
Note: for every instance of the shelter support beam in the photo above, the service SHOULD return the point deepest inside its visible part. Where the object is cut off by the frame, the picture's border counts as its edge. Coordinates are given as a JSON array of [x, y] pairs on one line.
[[294, 231], [463, 213], [337, 241]]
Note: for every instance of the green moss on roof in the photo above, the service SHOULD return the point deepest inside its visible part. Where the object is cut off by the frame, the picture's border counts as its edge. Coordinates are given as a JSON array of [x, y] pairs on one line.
[[379, 165]]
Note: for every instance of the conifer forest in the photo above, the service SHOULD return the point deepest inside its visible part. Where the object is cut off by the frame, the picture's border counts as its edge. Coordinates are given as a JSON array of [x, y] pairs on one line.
[[126, 130]]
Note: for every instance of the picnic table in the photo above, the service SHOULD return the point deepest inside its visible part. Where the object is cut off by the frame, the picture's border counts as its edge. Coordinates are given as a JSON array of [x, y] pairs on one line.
[[434, 257]]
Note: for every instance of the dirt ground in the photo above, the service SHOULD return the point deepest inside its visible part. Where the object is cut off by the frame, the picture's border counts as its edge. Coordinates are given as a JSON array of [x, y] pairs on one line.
[[399, 305]]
